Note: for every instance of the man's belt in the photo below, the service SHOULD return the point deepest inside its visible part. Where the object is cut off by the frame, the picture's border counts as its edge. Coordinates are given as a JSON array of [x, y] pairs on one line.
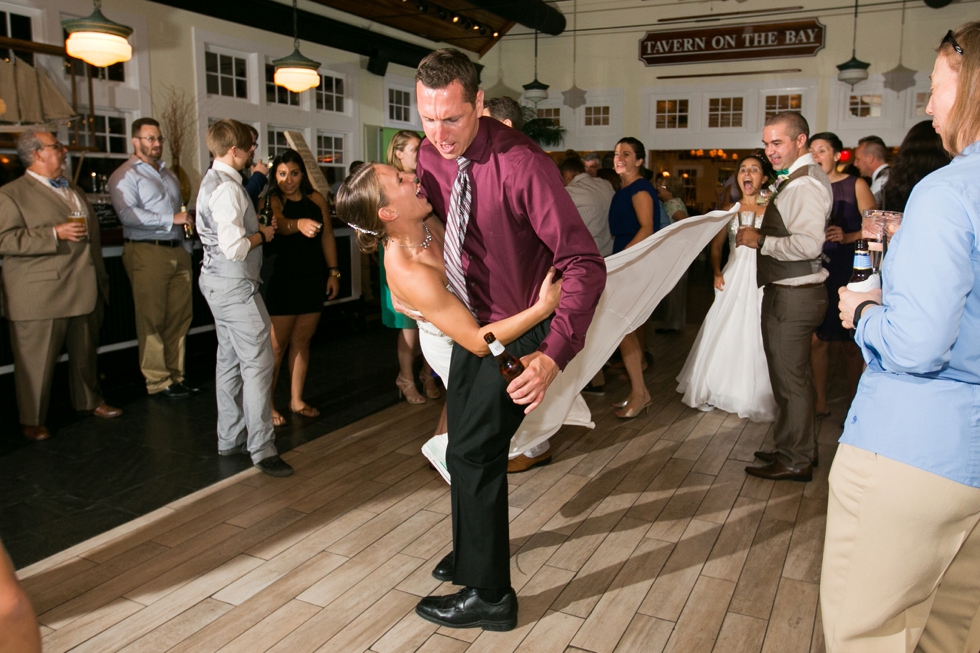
[[160, 243]]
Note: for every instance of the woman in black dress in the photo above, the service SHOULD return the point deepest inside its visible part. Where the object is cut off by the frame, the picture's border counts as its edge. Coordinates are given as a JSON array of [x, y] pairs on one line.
[[305, 272]]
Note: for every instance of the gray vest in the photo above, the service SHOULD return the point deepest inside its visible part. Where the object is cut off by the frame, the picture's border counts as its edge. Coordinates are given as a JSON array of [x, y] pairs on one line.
[[215, 262], [769, 269]]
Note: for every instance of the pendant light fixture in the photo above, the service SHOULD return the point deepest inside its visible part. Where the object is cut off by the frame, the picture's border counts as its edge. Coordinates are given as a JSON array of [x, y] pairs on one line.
[[535, 91], [900, 78], [296, 72], [853, 70], [97, 40], [574, 97]]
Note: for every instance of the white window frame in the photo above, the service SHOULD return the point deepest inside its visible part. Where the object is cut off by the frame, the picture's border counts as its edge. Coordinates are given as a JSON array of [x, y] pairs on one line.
[[706, 118], [407, 85], [861, 104], [249, 74], [763, 100], [300, 99], [556, 108], [345, 96], [585, 116], [688, 113], [264, 136]]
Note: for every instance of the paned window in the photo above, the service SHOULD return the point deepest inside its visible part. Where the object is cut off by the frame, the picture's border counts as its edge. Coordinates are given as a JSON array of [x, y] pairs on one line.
[[330, 155], [330, 94], [277, 141], [226, 75], [277, 94], [114, 73], [552, 114], [779, 103], [725, 112], [921, 102], [399, 105], [110, 134], [16, 26], [672, 114], [865, 106], [596, 116]]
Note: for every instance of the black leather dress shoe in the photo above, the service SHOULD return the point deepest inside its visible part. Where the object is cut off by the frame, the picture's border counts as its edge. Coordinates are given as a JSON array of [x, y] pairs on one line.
[[444, 570], [175, 391], [465, 609], [770, 457], [777, 471], [275, 466], [185, 387]]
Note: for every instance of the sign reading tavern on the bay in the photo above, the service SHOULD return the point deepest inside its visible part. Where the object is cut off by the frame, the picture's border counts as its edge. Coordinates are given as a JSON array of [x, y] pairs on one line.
[[797, 38]]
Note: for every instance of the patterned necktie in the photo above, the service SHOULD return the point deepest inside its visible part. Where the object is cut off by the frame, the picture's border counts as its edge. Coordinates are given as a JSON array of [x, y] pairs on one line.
[[60, 182], [459, 216]]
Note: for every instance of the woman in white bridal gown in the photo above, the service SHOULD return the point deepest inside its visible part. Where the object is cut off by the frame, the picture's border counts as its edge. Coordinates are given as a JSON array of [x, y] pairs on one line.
[[726, 368]]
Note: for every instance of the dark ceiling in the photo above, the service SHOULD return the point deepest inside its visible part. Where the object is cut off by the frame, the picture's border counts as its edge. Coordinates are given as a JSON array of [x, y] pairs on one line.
[[472, 30]]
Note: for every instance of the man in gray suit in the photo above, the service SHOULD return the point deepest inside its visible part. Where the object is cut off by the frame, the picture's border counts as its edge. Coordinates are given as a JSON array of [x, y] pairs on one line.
[[54, 283], [232, 239]]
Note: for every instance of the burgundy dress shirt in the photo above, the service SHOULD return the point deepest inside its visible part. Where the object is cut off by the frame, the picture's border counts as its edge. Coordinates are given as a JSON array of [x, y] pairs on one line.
[[522, 221]]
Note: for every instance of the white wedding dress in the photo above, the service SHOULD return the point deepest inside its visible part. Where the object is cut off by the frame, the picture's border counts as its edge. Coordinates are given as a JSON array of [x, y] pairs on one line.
[[727, 364]]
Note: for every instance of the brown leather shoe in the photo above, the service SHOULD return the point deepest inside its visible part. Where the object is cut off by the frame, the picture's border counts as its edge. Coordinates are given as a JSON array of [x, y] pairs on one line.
[[36, 433], [522, 463], [105, 411], [777, 471], [770, 456]]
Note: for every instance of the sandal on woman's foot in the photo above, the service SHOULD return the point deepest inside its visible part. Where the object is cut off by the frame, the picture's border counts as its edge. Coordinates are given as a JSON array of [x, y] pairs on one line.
[[306, 411], [630, 413], [278, 419], [429, 386], [407, 389]]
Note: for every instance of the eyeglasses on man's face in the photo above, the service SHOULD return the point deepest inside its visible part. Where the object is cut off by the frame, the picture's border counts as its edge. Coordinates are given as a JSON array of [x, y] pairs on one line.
[[152, 139], [949, 39], [57, 146]]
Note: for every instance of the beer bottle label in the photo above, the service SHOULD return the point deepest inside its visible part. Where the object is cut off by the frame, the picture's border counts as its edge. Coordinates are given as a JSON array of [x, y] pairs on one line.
[[496, 348], [862, 261]]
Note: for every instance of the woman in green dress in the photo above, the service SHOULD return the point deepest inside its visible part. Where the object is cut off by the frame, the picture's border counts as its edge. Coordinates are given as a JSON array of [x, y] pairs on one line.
[[403, 154]]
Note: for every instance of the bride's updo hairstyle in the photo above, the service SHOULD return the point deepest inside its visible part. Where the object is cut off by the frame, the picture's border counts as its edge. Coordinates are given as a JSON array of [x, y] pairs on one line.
[[359, 199], [768, 174]]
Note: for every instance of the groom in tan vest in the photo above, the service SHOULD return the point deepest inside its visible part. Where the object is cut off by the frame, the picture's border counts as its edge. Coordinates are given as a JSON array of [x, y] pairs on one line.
[[789, 244]]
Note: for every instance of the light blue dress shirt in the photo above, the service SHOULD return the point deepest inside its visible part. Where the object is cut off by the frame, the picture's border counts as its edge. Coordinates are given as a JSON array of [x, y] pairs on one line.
[[919, 399], [145, 199]]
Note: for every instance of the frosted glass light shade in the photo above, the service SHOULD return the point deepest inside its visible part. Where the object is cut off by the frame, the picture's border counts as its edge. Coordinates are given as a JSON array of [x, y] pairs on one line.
[[98, 48], [296, 80]]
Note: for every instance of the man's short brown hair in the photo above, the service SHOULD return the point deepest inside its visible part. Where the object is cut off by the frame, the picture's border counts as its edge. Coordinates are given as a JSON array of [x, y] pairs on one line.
[[443, 67], [794, 122], [226, 134]]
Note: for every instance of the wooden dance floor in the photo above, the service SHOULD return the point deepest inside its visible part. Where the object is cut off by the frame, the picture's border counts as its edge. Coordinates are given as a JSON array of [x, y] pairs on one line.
[[643, 535]]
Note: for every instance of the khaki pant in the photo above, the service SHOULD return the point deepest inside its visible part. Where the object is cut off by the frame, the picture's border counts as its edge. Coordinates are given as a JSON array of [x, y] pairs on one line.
[[37, 344], [901, 562], [790, 315], [161, 281]]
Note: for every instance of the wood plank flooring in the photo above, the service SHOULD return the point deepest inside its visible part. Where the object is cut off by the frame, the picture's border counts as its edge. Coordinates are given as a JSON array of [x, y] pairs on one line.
[[642, 535]]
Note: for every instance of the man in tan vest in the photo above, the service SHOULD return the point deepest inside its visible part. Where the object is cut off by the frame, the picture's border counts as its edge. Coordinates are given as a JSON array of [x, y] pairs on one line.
[[54, 283], [789, 244]]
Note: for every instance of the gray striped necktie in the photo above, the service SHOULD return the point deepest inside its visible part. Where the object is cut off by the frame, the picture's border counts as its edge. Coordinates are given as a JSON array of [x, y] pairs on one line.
[[458, 218]]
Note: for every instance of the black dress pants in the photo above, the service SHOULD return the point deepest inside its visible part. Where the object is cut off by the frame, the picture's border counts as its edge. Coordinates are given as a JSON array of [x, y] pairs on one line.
[[482, 420]]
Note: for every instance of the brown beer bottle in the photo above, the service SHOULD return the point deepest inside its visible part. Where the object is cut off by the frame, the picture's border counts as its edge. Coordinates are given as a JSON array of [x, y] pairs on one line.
[[863, 278], [265, 215], [510, 366]]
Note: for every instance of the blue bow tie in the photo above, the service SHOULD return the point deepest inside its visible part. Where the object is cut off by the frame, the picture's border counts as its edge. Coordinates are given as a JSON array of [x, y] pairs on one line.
[[780, 173], [60, 182]]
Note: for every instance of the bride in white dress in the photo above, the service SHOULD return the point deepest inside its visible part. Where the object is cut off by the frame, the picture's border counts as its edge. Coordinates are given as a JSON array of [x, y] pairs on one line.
[[726, 368]]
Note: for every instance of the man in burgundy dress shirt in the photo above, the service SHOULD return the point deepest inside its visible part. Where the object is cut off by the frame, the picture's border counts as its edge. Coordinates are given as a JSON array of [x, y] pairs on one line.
[[518, 222]]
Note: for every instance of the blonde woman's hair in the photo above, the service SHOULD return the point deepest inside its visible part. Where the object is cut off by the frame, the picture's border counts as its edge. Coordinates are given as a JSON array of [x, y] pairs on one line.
[[963, 125], [359, 199], [398, 143]]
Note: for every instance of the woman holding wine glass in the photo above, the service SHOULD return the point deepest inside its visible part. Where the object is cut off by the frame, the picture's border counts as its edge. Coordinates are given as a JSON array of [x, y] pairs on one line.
[[902, 549], [852, 197]]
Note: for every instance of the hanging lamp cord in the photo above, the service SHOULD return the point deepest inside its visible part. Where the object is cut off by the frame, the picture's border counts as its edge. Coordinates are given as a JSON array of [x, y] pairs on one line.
[[901, 38], [535, 53], [853, 46], [295, 28]]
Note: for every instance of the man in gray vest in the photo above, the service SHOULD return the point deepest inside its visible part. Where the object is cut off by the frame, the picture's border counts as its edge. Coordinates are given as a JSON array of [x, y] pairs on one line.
[[794, 302], [232, 239]]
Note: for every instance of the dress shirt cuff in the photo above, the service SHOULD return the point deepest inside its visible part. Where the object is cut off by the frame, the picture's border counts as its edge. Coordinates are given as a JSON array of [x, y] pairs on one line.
[[54, 230], [557, 349]]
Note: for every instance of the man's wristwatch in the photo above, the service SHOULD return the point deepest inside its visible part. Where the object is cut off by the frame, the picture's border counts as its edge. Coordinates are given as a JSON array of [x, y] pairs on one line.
[[759, 243], [335, 272]]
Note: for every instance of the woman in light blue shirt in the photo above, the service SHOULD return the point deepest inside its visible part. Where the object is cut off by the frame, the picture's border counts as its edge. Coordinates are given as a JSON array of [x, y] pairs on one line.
[[901, 567]]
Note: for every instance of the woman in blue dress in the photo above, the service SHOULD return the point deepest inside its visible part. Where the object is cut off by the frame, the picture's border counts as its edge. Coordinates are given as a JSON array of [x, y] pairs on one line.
[[635, 213]]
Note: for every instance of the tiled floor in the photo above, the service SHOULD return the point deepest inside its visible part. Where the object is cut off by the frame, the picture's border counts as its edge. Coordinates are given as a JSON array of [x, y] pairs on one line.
[[643, 535]]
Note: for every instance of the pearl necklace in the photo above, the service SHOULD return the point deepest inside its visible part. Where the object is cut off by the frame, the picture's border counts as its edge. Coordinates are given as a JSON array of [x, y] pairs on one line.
[[425, 241]]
